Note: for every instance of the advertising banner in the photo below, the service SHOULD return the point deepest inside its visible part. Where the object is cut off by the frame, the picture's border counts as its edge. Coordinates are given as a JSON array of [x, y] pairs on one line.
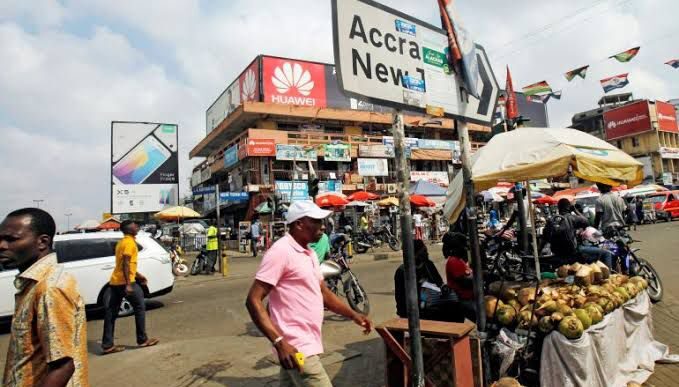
[[669, 153], [667, 178], [195, 178], [231, 156], [627, 120], [261, 147], [376, 150], [227, 102], [144, 167], [295, 152], [293, 82], [330, 186], [233, 197], [373, 167], [336, 152], [435, 144], [440, 178], [285, 189], [249, 82], [205, 174], [667, 117]]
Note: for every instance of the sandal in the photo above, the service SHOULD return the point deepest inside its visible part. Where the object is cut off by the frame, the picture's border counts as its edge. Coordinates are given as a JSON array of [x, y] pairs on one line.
[[149, 342], [113, 349]]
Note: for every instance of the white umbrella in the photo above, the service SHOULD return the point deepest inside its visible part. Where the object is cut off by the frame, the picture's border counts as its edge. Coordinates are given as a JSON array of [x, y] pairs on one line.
[[357, 203], [89, 224]]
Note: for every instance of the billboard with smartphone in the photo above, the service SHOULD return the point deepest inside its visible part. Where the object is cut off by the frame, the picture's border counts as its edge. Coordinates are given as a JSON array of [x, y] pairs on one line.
[[144, 166]]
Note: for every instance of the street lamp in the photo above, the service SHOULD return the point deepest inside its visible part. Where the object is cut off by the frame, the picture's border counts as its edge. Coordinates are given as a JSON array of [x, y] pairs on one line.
[[37, 202], [68, 221]]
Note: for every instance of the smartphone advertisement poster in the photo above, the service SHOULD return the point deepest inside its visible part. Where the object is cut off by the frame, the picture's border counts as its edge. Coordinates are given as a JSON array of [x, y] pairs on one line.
[[144, 167]]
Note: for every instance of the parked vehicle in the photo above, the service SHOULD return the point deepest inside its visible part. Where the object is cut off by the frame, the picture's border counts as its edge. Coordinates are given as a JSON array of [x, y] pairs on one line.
[[90, 258], [340, 279], [666, 204], [200, 263], [384, 234], [363, 241]]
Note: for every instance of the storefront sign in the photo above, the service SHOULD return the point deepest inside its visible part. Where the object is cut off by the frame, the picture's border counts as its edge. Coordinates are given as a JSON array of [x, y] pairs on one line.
[[295, 152], [261, 147], [330, 186], [669, 153], [205, 174], [336, 152], [373, 167], [293, 82], [667, 178], [627, 120], [285, 189], [376, 150], [435, 144], [667, 117], [234, 196], [436, 177], [231, 156]]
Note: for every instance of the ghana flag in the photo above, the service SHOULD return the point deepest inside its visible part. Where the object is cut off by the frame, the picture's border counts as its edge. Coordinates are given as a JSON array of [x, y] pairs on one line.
[[626, 56], [674, 63], [537, 88], [579, 72]]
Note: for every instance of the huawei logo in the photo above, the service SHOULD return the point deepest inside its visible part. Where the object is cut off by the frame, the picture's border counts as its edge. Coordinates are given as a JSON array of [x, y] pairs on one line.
[[612, 125], [249, 86], [292, 77]]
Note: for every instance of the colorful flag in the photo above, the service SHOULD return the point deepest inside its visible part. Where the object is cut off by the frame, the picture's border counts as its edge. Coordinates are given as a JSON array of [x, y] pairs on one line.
[[501, 100], [511, 105], [556, 94], [461, 43], [626, 56], [674, 63], [580, 71], [616, 82], [538, 98], [537, 88]]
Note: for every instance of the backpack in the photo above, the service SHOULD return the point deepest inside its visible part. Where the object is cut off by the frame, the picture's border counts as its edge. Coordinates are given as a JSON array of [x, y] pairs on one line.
[[562, 236]]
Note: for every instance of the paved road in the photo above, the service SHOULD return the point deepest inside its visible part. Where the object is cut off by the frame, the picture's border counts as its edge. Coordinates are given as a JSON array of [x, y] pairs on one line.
[[207, 338]]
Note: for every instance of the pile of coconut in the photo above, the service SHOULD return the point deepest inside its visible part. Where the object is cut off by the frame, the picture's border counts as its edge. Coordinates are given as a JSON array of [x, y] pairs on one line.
[[569, 306]]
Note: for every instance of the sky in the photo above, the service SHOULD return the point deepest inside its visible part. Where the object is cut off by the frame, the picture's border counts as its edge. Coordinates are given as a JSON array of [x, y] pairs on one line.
[[69, 68]]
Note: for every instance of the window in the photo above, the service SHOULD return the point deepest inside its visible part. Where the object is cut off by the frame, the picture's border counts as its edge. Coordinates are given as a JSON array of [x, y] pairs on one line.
[[619, 144], [80, 249], [635, 141]]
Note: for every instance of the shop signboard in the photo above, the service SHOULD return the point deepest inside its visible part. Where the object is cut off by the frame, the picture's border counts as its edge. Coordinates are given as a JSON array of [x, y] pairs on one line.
[[231, 156], [144, 166], [435, 144], [205, 174], [669, 153], [373, 167], [293, 82], [337, 152], [667, 117], [436, 177], [376, 150], [285, 189], [667, 178], [261, 147], [233, 197], [627, 120], [378, 61], [195, 178], [330, 186], [295, 152]]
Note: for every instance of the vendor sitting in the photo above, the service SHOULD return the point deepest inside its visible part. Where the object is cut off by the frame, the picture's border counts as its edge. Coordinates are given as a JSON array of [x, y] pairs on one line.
[[458, 273], [435, 300]]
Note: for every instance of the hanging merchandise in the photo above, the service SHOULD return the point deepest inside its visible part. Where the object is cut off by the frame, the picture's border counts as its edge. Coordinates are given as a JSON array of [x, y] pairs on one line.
[[537, 88], [674, 63], [579, 72], [627, 55], [615, 82]]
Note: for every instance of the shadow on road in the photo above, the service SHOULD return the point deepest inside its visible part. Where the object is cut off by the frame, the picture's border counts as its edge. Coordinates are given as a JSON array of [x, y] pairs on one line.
[[366, 370]]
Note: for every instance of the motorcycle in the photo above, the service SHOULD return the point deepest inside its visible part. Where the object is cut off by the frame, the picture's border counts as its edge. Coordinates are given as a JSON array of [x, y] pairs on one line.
[[385, 235], [340, 279], [366, 240], [179, 267], [200, 263]]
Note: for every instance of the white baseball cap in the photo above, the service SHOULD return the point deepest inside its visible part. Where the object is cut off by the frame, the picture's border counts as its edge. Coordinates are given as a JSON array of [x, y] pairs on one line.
[[301, 208]]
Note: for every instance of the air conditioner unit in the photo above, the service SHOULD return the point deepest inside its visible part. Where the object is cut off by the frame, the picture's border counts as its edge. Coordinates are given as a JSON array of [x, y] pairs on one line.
[[391, 188]]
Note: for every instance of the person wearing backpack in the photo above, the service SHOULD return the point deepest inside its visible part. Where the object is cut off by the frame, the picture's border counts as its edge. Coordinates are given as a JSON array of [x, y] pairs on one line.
[[560, 233]]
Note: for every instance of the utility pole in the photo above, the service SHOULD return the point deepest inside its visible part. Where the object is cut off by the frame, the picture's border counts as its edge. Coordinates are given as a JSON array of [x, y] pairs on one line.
[[219, 233], [68, 221], [403, 170], [37, 202]]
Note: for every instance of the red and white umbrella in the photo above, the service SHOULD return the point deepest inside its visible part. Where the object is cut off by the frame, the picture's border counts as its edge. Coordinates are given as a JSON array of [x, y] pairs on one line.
[[331, 200], [421, 201], [363, 196]]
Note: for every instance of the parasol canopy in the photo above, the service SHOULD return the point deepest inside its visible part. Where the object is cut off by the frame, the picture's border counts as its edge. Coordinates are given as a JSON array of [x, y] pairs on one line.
[[426, 188], [363, 196], [331, 200], [390, 201], [546, 199], [357, 203], [263, 208], [537, 153], [89, 224], [176, 213], [421, 201]]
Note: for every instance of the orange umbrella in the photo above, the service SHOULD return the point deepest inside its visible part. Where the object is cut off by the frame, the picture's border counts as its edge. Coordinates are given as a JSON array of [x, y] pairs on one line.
[[363, 196], [421, 201], [331, 201], [545, 200]]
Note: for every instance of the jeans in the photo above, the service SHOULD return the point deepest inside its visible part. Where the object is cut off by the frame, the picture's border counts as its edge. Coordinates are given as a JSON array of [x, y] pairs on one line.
[[210, 261], [112, 302], [253, 245], [593, 254]]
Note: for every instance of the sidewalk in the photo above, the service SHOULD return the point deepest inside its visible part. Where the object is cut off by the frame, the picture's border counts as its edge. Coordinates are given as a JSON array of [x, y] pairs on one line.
[[665, 323]]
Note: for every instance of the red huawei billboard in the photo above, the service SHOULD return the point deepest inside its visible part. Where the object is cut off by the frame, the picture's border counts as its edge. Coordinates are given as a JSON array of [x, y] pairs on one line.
[[667, 117], [627, 120], [293, 82]]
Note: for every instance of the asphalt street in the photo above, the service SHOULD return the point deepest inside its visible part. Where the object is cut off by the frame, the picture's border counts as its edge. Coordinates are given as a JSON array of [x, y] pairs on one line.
[[207, 338]]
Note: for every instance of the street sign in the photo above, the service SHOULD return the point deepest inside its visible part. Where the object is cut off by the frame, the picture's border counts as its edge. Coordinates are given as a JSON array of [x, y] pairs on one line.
[[204, 191], [389, 58]]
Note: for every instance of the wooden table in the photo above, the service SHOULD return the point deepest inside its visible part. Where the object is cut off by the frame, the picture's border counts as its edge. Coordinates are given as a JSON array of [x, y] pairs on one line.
[[399, 363]]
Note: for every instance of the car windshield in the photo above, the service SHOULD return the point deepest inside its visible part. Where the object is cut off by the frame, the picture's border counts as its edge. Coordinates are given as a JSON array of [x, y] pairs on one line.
[[655, 199]]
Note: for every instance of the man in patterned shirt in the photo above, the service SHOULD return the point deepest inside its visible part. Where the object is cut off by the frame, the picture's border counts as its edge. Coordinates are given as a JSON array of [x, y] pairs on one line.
[[48, 344]]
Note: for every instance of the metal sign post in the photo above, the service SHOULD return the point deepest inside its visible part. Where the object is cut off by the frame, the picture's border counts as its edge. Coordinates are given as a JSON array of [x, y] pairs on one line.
[[417, 371], [219, 234]]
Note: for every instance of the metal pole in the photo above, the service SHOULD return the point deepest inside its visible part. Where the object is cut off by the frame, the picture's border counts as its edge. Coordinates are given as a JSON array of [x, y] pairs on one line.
[[531, 212], [403, 178], [219, 233], [518, 194]]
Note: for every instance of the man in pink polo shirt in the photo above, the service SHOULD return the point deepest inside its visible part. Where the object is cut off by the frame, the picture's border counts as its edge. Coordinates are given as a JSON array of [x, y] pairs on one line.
[[291, 277]]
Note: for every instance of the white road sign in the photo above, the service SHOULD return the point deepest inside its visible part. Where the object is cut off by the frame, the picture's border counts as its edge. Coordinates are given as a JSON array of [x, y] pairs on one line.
[[392, 59]]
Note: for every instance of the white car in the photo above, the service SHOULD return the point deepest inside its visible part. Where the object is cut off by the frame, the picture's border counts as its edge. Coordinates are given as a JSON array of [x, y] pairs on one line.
[[90, 258]]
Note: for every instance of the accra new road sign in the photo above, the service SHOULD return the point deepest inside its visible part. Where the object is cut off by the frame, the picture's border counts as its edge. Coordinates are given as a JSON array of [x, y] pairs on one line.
[[392, 59]]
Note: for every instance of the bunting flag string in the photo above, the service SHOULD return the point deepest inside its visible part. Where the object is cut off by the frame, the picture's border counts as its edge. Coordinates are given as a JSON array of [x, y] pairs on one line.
[[543, 98], [615, 82], [674, 63], [579, 72], [626, 55], [537, 88]]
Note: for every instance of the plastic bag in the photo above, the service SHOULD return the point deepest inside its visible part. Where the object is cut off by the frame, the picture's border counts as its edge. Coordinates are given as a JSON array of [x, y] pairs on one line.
[[505, 347]]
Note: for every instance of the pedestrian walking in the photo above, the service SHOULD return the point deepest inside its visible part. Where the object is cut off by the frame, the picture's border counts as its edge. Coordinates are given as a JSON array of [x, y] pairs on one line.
[[290, 277], [126, 283], [419, 225], [48, 343], [211, 246], [255, 234], [632, 219]]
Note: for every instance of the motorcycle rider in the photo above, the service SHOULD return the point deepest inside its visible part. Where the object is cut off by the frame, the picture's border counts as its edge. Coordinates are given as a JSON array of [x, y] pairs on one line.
[[610, 211], [560, 232]]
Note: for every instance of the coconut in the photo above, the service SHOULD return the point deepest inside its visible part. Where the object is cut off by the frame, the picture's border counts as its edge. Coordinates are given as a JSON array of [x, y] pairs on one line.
[[527, 319], [526, 296], [545, 325], [640, 282], [571, 327], [633, 384], [595, 306], [584, 318], [562, 271], [597, 274], [506, 315], [491, 304], [595, 313], [565, 310], [583, 276], [506, 382], [617, 300], [622, 291], [631, 288], [547, 308], [606, 304], [556, 317], [515, 304], [594, 290], [579, 301], [572, 269]]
